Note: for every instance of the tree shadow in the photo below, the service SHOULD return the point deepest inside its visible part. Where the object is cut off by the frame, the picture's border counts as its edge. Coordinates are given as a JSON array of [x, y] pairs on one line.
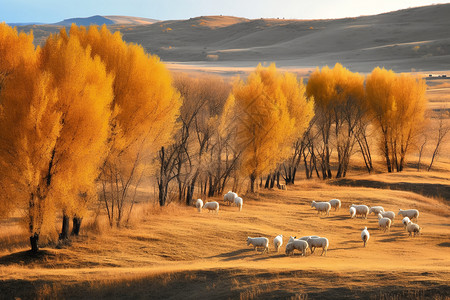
[[26, 257]]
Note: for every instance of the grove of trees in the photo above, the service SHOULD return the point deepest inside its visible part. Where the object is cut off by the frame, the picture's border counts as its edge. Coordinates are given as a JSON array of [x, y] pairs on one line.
[[87, 117]]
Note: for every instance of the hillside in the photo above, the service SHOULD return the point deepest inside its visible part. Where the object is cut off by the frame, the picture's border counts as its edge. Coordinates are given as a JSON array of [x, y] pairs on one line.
[[416, 38], [107, 20]]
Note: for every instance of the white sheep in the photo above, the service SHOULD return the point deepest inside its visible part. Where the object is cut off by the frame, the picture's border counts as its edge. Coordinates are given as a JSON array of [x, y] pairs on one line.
[[277, 242], [405, 221], [335, 203], [410, 213], [228, 198], [199, 205], [319, 242], [376, 210], [352, 212], [299, 245], [238, 202], [259, 242], [365, 236], [388, 214], [212, 206], [384, 223], [362, 210], [322, 207], [412, 227]]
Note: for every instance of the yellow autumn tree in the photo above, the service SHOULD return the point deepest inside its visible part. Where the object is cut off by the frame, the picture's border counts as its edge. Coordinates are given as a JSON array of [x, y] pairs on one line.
[[339, 98], [53, 131], [397, 103], [269, 111], [16, 52], [145, 109], [14, 48]]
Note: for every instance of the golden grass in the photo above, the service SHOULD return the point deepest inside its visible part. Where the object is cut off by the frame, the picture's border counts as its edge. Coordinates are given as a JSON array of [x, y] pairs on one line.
[[175, 251]]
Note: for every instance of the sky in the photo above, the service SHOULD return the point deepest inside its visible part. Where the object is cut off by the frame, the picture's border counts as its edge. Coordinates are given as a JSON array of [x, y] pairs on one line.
[[51, 11]]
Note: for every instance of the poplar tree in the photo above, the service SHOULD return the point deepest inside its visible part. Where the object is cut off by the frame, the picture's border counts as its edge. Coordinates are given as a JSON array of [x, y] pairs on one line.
[[269, 111], [397, 103], [53, 131]]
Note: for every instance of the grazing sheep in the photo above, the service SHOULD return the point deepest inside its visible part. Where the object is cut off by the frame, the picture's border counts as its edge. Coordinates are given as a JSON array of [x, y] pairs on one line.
[[297, 244], [322, 207], [352, 212], [199, 205], [389, 214], [335, 203], [277, 242], [319, 242], [376, 210], [365, 236], [259, 242], [212, 206], [405, 221], [238, 202], [412, 227], [410, 213], [384, 223], [362, 210], [228, 198]]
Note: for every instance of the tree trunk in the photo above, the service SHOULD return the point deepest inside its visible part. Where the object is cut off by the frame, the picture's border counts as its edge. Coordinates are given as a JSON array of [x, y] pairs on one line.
[[252, 183], [190, 190], [34, 239], [267, 185], [386, 154], [76, 222], [64, 235], [278, 179], [162, 193]]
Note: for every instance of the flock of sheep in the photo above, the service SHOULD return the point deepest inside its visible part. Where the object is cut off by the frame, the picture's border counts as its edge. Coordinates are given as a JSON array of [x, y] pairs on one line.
[[385, 221]]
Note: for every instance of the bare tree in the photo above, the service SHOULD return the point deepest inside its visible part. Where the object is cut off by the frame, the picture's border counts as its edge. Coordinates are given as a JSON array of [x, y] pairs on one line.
[[443, 129]]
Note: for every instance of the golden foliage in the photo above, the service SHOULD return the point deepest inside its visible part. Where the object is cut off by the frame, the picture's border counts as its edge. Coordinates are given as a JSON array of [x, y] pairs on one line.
[[14, 48], [397, 103], [53, 130], [85, 93], [145, 103], [145, 107], [331, 88], [269, 110]]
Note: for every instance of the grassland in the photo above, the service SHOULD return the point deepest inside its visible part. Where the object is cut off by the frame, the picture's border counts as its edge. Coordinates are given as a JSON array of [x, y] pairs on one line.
[[176, 252]]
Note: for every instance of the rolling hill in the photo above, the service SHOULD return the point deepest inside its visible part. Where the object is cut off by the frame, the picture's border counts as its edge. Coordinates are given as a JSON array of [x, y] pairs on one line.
[[416, 38]]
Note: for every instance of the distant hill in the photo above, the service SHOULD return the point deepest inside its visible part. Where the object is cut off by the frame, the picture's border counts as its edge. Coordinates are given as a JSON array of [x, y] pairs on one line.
[[107, 20], [416, 38]]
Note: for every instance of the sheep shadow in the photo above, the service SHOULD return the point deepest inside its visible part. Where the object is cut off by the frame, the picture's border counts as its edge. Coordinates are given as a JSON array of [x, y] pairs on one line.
[[347, 243], [234, 254], [388, 240], [445, 244], [265, 257], [339, 218]]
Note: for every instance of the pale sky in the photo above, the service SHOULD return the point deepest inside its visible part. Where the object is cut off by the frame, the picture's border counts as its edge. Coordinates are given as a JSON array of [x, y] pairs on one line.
[[51, 11]]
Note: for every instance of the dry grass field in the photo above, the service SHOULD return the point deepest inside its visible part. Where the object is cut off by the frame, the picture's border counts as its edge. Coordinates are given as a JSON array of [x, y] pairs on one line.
[[176, 252]]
